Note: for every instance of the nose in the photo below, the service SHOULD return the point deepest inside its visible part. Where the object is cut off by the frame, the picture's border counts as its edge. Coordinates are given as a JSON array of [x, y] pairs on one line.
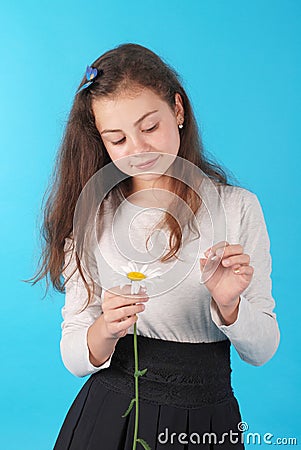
[[138, 145]]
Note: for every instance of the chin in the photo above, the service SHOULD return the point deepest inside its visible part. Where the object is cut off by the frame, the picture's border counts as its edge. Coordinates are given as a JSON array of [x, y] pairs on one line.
[[148, 176]]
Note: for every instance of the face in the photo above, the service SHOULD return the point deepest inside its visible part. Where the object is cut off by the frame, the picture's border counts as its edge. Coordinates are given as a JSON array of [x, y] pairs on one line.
[[140, 133]]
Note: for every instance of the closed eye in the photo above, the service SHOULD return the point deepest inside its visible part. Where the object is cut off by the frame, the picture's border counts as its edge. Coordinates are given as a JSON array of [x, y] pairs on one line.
[[118, 142], [147, 131], [152, 128]]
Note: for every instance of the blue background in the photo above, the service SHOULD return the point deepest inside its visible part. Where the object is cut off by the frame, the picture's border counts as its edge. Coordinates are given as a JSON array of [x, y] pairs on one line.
[[240, 62]]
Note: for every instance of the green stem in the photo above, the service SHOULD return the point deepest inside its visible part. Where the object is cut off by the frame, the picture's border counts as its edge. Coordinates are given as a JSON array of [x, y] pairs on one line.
[[136, 387]]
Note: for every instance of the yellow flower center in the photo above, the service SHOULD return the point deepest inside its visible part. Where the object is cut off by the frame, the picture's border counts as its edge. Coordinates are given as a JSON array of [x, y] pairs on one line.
[[136, 276]]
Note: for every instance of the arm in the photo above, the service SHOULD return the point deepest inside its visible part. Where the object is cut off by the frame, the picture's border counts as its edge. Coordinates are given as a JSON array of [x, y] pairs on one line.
[[254, 331], [101, 347], [84, 347]]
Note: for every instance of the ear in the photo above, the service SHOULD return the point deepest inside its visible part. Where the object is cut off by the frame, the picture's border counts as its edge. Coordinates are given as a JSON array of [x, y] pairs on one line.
[[179, 108]]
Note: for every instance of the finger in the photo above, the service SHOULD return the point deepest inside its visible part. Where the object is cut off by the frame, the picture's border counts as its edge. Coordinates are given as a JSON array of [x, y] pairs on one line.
[[244, 270], [121, 313], [120, 302], [237, 259], [209, 263], [124, 323], [233, 249], [208, 266], [221, 244], [124, 292]]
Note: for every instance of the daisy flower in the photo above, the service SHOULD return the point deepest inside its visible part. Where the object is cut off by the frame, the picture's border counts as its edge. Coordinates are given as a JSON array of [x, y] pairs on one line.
[[138, 277]]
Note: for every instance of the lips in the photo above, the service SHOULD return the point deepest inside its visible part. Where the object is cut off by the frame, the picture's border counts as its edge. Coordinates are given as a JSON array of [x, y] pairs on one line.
[[147, 163]]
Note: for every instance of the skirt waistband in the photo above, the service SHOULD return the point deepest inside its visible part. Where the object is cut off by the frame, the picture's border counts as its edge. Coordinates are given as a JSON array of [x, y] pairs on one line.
[[182, 374]]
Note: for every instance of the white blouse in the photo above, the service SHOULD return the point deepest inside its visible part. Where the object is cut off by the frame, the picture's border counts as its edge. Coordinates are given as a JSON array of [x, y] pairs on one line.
[[180, 307]]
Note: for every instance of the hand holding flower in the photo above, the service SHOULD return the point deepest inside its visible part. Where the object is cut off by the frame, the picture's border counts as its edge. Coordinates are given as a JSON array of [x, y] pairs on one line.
[[120, 309], [138, 278]]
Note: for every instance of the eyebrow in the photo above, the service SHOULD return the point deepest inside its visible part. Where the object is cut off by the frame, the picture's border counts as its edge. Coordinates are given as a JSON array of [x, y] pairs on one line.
[[135, 124]]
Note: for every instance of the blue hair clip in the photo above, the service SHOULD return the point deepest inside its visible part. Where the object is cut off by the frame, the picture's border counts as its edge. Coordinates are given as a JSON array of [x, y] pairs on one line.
[[91, 74]]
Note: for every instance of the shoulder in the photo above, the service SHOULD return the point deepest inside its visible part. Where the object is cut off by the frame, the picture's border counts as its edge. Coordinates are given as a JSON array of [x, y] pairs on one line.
[[239, 199], [235, 193], [245, 213], [230, 200], [241, 208]]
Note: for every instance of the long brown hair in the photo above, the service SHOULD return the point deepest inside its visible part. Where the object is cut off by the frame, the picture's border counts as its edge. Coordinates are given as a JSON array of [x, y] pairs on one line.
[[82, 153]]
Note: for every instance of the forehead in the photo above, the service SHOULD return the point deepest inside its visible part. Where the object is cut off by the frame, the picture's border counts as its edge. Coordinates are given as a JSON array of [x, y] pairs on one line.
[[126, 108]]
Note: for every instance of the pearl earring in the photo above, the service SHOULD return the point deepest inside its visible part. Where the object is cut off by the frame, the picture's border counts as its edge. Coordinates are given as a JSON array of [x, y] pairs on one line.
[[180, 125]]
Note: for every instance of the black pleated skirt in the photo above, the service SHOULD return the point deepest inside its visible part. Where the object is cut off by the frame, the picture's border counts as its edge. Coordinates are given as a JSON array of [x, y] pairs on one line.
[[185, 400]]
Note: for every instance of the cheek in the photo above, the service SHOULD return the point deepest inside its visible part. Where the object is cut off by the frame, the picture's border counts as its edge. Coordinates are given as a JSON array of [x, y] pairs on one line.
[[115, 154], [169, 140]]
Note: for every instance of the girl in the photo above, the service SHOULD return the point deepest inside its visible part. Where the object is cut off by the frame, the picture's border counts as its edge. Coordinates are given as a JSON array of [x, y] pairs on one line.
[[132, 160]]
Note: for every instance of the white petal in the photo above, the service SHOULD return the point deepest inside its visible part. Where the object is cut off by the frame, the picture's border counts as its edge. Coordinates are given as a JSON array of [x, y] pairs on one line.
[[154, 273], [154, 282], [125, 269], [156, 269], [144, 269], [132, 267], [136, 287]]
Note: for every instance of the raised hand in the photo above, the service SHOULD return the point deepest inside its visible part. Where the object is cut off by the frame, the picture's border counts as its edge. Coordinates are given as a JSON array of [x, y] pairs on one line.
[[226, 273]]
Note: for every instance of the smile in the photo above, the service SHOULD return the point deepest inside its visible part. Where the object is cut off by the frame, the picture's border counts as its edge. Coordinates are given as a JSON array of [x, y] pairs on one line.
[[148, 164]]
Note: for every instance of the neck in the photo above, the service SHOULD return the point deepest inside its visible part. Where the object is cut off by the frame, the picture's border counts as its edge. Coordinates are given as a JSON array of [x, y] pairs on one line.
[[151, 193]]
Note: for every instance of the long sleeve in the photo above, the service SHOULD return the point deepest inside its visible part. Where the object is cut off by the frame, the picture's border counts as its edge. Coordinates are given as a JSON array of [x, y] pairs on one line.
[[255, 333], [73, 345]]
